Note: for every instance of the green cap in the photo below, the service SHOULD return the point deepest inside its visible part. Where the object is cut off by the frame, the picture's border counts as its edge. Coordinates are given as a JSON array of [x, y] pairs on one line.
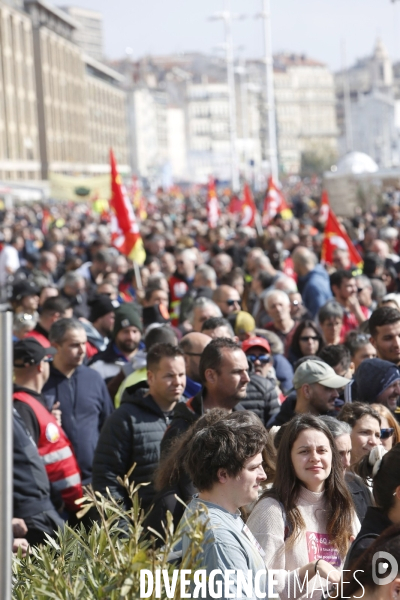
[[127, 316], [316, 371]]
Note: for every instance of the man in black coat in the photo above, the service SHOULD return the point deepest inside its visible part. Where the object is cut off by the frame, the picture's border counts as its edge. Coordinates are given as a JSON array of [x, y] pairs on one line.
[[224, 376], [133, 433]]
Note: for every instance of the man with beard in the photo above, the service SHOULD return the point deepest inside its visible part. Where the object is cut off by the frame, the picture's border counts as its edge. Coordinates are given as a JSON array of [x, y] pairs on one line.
[[123, 345], [378, 381], [224, 374]]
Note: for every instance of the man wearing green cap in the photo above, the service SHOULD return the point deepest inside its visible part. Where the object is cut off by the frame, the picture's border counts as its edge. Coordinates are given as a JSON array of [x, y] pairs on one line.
[[316, 385], [123, 345]]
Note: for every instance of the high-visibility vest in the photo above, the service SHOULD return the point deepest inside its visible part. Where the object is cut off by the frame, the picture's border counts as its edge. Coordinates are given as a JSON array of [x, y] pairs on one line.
[[56, 451]]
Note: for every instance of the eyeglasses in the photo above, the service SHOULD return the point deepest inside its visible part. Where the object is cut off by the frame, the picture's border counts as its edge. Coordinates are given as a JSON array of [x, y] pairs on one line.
[[263, 358], [297, 303], [233, 302], [193, 353], [306, 338], [387, 433]]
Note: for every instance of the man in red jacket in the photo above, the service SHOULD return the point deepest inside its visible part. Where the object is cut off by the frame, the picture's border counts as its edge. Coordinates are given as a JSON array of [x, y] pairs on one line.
[[31, 371]]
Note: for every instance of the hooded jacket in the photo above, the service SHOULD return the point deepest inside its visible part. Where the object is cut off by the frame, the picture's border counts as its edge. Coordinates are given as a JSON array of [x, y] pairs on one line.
[[85, 404], [132, 434], [315, 289]]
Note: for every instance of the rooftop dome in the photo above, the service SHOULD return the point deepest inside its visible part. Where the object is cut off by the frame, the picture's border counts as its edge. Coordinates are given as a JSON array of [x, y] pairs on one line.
[[356, 163]]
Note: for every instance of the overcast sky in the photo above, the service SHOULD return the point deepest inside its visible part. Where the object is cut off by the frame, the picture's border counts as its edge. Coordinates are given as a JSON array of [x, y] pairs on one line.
[[313, 27]]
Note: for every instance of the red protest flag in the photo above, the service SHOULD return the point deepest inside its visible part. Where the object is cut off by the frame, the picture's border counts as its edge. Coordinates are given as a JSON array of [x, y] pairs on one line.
[[235, 205], [125, 235], [213, 210], [335, 236], [274, 203], [249, 209]]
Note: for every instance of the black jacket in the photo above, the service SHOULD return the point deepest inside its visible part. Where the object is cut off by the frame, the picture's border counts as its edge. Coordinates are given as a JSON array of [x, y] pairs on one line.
[[360, 493], [132, 434], [85, 404], [288, 411], [261, 398], [375, 522], [185, 414]]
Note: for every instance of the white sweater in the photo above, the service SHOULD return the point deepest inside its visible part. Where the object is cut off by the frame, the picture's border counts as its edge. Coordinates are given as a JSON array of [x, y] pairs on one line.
[[267, 522]]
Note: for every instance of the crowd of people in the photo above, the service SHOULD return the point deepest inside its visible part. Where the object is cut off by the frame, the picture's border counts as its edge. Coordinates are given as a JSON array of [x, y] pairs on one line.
[[236, 371]]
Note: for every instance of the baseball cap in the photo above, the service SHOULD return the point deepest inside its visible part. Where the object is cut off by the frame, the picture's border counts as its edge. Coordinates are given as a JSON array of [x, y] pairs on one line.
[[256, 342], [29, 352], [315, 371]]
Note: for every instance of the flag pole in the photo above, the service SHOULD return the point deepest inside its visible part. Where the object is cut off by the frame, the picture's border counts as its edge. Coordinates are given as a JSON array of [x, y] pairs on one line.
[[258, 224]]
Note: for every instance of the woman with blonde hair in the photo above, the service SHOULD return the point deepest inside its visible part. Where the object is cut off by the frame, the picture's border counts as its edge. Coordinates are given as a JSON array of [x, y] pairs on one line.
[[390, 429]]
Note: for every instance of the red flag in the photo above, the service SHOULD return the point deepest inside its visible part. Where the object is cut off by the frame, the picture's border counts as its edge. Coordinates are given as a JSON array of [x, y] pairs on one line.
[[235, 205], [336, 237], [125, 235], [213, 211], [274, 203], [249, 209]]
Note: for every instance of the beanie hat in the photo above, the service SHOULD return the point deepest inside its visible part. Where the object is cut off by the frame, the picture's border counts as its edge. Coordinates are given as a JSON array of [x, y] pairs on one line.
[[100, 306], [373, 377], [127, 316]]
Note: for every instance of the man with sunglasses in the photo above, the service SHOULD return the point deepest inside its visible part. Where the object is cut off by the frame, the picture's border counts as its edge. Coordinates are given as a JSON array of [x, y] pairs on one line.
[[228, 300], [31, 372]]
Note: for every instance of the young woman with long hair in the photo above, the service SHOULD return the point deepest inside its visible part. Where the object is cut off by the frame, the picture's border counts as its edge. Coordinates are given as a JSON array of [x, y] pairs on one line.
[[304, 522], [307, 341]]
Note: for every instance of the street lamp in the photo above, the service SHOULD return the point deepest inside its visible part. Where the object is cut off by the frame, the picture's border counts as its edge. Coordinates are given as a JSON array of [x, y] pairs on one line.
[[269, 88], [226, 16]]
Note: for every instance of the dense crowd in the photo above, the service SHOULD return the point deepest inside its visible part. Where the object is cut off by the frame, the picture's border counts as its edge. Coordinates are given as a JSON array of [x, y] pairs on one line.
[[234, 370]]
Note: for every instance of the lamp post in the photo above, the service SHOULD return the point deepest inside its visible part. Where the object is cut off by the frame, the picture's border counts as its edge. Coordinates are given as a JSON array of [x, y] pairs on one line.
[[226, 16], [269, 89]]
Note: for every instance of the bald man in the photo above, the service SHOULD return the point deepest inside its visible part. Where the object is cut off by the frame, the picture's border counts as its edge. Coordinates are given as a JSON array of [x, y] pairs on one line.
[[192, 346], [228, 299], [313, 282]]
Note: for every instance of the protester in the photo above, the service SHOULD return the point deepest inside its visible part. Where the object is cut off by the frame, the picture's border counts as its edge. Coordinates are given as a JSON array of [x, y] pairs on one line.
[[126, 336], [382, 468], [330, 317], [52, 310], [192, 346], [365, 429], [341, 433], [79, 391], [132, 434], [316, 385], [224, 461], [344, 288], [360, 348], [390, 429], [308, 502], [306, 341], [384, 327], [313, 280], [378, 381], [224, 376]]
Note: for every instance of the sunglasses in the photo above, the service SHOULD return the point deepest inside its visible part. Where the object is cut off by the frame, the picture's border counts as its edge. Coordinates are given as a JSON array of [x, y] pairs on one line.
[[306, 338], [387, 433], [233, 302], [263, 358]]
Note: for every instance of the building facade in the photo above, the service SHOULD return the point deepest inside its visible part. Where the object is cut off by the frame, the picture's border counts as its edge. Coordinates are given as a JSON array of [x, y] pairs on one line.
[[305, 112], [60, 110], [19, 132], [89, 35]]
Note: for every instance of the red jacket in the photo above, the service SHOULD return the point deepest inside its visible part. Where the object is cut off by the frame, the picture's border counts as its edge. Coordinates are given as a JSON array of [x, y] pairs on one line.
[[39, 337], [177, 289], [56, 450]]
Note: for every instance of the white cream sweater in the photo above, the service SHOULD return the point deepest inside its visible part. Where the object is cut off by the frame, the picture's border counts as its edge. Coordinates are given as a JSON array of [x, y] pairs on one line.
[[267, 522]]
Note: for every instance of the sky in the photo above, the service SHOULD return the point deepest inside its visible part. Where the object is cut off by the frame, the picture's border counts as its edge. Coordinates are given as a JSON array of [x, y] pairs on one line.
[[318, 28]]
